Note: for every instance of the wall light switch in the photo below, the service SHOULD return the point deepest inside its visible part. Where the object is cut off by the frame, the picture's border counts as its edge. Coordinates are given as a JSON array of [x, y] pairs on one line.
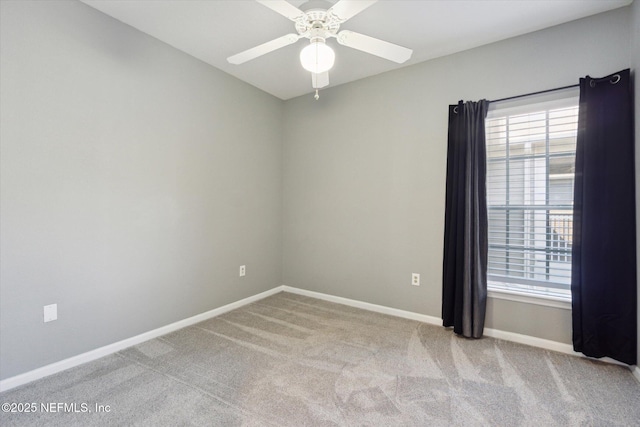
[[50, 313], [243, 270], [415, 279]]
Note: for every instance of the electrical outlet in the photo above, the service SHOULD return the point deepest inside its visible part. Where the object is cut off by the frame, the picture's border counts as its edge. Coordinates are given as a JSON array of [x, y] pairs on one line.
[[243, 270], [50, 313], [415, 279]]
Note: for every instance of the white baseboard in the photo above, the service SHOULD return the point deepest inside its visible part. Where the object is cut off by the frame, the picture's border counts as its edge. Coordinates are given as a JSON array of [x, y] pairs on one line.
[[493, 333], [89, 356], [529, 340], [366, 306], [560, 347]]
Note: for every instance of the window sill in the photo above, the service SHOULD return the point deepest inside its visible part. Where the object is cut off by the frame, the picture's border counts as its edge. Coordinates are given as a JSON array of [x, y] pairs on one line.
[[527, 298]]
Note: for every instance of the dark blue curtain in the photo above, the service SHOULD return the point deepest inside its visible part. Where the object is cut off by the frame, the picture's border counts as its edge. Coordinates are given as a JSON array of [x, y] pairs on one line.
[[464, 283], [603, 282]]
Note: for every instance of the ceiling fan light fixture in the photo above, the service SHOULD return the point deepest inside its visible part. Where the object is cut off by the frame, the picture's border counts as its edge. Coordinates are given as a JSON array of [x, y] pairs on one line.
[[317, 57]]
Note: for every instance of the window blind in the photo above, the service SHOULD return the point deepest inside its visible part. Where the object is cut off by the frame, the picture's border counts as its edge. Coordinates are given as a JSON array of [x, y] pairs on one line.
[[531, 148]]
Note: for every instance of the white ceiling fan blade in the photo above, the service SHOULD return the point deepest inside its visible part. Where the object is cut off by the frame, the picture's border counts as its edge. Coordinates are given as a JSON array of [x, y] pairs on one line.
[[260, 50], [374, 46], [283, 7], [346, 9], [319, 81]]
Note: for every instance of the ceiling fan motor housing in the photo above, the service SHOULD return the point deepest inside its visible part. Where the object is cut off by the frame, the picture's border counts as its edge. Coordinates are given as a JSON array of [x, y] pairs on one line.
[[317, 23]]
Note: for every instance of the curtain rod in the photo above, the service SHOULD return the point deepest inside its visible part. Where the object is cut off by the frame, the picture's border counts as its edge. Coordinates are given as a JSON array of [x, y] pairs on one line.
[[612, 79], [535, 93]]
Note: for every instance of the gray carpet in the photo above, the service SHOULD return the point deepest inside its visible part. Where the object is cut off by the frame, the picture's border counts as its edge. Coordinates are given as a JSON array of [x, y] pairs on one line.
[[290, 360]]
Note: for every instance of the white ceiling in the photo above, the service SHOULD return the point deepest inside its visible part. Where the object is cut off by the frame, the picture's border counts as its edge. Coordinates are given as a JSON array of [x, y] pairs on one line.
[[212, 30]]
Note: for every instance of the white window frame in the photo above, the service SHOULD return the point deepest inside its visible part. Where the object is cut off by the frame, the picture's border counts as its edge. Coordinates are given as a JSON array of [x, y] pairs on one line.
[[505, 288]]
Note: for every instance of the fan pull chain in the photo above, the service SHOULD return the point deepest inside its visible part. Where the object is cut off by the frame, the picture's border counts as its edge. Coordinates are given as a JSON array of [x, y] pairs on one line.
[[316, 96]]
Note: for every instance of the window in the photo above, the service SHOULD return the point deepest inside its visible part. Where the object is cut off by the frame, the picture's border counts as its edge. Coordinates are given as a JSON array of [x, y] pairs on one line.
[[531, 145]]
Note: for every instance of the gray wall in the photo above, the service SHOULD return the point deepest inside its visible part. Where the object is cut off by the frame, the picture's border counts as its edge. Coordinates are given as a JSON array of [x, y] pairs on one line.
[[135, 181], [364, 168], [635, 55]]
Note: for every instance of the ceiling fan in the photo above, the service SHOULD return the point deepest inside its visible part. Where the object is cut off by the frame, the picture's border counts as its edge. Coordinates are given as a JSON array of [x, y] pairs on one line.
[[318, 23]]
